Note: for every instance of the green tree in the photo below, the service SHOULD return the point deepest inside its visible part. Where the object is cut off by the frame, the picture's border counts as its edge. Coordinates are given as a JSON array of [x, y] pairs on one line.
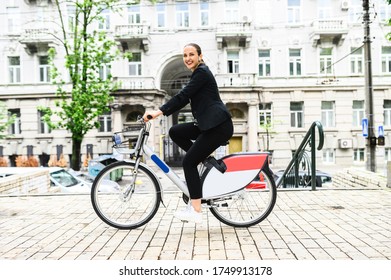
[[5, 120], [389, 23], [86, 52], [268, 126]]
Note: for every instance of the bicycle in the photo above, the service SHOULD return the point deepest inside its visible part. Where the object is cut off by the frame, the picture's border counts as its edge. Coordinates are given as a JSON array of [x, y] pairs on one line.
[[238, 189]]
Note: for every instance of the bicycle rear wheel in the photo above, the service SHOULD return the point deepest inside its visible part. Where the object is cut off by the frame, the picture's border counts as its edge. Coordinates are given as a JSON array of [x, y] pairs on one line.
[[125, 199], [248, 206]]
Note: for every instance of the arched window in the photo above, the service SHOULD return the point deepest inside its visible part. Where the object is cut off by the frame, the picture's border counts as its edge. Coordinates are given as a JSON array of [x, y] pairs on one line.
[[132, 116], [236, 113]]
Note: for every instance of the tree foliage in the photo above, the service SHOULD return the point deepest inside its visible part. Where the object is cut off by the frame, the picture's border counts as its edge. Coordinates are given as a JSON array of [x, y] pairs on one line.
[[389, 23], [5, 120], [86, 52]]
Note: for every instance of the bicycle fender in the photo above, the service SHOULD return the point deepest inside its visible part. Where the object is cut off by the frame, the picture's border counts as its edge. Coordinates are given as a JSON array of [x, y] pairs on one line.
[[242, 168]]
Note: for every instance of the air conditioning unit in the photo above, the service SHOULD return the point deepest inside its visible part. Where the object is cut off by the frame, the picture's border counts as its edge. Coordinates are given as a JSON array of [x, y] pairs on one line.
[[345, 143], [344, 5]]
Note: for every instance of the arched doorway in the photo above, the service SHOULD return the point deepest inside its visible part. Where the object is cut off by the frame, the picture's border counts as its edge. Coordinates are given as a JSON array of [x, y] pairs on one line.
[[174, 77]]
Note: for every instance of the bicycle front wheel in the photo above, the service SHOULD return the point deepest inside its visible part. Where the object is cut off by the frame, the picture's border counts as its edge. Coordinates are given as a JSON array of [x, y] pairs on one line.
[[249, 206], [123, 198]]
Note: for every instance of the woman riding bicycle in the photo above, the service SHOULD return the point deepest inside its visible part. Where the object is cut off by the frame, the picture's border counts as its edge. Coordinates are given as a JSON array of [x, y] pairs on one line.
[[211, 127]]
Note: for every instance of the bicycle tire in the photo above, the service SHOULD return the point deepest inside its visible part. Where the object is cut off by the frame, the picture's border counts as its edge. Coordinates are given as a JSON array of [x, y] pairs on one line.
[[119, 210], [248, 206]]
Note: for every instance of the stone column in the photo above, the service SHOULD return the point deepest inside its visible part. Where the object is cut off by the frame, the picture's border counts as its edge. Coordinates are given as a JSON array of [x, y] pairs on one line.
[[252, 127]]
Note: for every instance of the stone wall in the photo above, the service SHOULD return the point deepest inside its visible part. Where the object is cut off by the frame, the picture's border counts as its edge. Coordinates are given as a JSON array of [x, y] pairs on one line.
[[36, 181], [358, 178]]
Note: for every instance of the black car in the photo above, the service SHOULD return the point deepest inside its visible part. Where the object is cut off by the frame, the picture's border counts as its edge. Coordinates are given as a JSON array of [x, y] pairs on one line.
[[322, 179]]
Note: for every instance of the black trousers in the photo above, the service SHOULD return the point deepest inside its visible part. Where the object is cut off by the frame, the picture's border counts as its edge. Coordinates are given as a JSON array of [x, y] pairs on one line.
[[205, 143]]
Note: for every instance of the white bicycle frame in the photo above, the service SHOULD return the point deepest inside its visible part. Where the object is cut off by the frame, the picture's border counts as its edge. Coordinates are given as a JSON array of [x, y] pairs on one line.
[[242, 168]]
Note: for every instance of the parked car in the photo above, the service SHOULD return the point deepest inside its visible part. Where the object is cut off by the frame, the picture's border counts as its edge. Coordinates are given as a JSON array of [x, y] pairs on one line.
[[67, 182], [323, 179], [86, 179]]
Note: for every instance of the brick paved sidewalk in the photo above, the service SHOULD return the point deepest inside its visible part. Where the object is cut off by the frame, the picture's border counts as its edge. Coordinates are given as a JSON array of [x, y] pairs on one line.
[[304, 225]]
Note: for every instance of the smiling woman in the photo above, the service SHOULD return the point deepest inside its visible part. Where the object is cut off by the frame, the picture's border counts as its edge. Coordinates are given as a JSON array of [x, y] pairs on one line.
[[212, 125]]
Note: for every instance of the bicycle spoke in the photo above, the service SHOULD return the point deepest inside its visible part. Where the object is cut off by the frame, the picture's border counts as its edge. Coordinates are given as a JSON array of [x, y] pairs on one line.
[[248, 206], [135, 200]]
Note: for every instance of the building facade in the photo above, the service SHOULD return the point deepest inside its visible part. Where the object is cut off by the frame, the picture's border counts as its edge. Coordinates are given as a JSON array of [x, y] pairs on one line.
[[280, 65]]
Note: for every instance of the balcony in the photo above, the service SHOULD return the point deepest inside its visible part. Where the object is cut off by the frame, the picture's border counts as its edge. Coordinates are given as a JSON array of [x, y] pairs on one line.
[[37, 40], [132, 34], [233, 33], [235, 80], [38, 2], [329, 30], [132, 83]]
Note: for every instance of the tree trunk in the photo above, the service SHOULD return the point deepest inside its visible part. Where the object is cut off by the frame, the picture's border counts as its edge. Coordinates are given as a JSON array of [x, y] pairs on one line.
[[75, 158]]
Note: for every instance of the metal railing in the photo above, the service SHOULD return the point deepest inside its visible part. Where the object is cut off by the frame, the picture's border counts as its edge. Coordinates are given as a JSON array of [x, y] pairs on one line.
[[292, 175]]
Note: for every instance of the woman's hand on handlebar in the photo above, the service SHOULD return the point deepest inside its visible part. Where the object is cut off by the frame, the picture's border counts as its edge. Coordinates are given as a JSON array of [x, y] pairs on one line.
[[150, 115]]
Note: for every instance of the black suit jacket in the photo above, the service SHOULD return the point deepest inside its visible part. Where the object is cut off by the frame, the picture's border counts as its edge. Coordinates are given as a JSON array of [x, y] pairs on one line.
[[203, 95]]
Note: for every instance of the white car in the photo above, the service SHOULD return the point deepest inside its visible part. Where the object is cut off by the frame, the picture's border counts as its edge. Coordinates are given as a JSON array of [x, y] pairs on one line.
[[108, 185], [67, 182]]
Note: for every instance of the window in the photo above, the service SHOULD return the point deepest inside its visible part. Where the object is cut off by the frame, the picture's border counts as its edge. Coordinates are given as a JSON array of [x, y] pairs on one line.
[[13, 19], [385, 11], [356, 60], [105, 122], [44, 69], [182, 14], [231, 10], [328, 156], [161, 14], [204, 12], [14, 69], [328, 113], [386, 59], [71, 16], [104, 23], [355, 11], [135, 64], [325, 60], [265, 113], [294, 62], [264, 63], [324, 9], [105, 71], [16, 126], [43, 126], [358, 112], [297, 114], [264, 12], [387, 112], [233, 61], [293, 11], [358, 155], [133, 116], [134, 16], [236, 113]]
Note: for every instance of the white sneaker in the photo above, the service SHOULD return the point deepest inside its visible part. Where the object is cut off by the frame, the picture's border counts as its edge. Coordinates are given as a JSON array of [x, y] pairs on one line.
[[189, 215]]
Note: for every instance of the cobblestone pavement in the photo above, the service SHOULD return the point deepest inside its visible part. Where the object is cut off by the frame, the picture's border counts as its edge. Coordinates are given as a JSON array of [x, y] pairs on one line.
[[304, 225]]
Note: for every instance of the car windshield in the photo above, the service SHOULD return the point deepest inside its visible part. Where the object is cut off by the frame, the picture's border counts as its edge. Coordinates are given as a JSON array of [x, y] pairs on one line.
[[64, 178]]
